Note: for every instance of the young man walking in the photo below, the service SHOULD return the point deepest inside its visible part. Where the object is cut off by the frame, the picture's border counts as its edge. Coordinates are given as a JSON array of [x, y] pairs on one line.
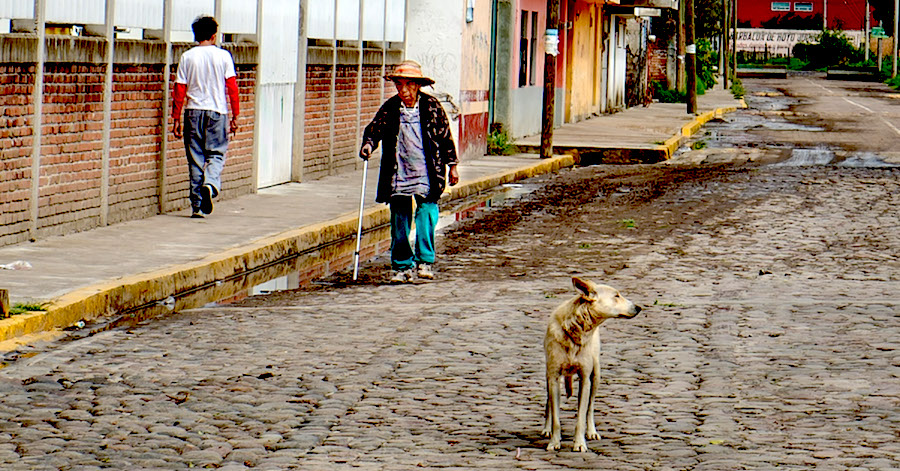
[[205, 77], [418, 149]]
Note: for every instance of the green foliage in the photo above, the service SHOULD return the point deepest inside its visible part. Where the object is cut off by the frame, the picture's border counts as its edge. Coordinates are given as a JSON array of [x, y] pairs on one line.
[[707, 65], [499, 143], [22, 308], [627, 223], [834, 48], [737, 88], [665, 95], [893, 82]]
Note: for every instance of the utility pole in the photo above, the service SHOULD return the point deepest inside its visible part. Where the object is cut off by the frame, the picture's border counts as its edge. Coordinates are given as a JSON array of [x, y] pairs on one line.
[[725, 60], [690, 55], [868, 28], [894, 39], [679, 51], [549, 80], [734, 37]]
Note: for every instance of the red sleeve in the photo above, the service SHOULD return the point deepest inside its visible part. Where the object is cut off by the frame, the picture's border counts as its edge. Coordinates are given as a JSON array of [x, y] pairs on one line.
[[233, 97], [178, 99]]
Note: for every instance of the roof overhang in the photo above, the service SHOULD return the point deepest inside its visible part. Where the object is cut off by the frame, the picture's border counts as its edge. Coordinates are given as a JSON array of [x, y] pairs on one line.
[[667, 4], [634, 12]]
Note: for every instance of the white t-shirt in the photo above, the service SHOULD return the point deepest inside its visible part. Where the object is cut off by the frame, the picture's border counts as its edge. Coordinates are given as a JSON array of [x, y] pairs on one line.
[[204, 70]]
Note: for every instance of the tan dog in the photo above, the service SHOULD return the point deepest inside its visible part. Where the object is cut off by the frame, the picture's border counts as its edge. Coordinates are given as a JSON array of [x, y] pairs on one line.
[[572, 347]]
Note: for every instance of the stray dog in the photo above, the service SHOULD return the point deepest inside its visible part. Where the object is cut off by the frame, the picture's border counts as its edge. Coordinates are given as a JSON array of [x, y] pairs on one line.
[[572, 347]]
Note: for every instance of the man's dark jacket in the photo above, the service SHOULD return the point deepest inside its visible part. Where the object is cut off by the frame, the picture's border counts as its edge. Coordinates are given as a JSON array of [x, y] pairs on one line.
[[437, 142]]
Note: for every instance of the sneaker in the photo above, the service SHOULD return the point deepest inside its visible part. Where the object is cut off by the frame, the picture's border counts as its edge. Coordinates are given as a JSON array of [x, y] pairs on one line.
[[404, 276], [206, 204], [197, 215], [426, 271]]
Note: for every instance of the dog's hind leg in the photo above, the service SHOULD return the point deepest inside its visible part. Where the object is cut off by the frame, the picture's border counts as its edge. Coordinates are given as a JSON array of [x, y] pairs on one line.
[[551, 427]]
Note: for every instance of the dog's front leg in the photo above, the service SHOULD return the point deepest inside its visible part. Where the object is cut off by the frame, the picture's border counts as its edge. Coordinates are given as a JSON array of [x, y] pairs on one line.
[[595, 384], [584, 391], [551, 427]]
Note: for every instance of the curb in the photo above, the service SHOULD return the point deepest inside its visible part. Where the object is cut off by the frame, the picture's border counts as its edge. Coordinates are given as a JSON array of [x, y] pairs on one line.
[[673, 143], [130, 292]]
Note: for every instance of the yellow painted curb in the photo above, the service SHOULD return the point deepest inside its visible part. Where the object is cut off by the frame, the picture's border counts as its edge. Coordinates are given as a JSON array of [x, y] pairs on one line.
[[688, 130], [121, 294]]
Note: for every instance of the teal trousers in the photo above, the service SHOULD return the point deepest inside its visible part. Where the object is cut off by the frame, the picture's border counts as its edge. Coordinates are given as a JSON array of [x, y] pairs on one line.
[[403, 257]]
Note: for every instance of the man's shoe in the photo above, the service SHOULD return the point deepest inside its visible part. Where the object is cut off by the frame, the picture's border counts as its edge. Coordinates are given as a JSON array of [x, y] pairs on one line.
[[403, 276], [426, 271], [206, 204], [197, 215]]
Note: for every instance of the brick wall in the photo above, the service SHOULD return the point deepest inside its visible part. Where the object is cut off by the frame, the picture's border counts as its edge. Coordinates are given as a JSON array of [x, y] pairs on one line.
[[135, 139], [17, 82], [346, 120], [71, 156], [658, 59], [317, 139], [332, 148], [327, 154], [71, 148]]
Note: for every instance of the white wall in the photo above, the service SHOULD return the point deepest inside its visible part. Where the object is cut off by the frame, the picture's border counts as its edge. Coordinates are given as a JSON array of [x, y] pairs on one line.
[[434, 39]]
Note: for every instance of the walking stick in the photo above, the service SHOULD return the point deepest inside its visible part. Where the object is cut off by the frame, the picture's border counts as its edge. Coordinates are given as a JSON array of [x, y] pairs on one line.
[[362, 202]]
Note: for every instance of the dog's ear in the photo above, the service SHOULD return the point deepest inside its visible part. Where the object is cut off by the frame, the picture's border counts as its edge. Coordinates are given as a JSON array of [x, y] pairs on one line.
[[585, 287]]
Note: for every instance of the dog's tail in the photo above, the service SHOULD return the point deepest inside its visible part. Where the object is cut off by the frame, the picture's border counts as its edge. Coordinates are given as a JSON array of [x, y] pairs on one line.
[[568, 382]]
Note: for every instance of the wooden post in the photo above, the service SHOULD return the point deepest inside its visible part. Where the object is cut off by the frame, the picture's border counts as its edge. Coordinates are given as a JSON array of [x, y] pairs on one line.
[[679, 73], [866, 40], [725, 61], [734, 37], [690, 56], [894, 38], [4, 304], [878, 51], [549, 85]]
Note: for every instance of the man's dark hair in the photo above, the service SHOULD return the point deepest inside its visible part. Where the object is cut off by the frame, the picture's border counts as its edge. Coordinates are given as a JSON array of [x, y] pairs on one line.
[[205, 27]]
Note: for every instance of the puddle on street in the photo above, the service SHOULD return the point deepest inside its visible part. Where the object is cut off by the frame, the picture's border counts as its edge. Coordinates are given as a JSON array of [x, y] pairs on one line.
[[807, 157], [467, 208], [768, 112]]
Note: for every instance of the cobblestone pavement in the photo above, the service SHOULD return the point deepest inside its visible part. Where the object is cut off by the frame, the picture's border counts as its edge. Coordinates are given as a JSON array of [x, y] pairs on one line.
[[769, 340]]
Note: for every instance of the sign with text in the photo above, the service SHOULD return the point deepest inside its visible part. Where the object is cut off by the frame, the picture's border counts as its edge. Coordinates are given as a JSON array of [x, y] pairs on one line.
[[780, 42]]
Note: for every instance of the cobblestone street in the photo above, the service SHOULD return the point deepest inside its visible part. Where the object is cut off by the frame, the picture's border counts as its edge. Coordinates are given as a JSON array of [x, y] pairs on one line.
[[769, 340]]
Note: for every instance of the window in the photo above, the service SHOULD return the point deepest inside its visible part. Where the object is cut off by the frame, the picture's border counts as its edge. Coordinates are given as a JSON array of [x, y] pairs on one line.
[[798, 6], [781, 6], [523, 50], [534, 28]]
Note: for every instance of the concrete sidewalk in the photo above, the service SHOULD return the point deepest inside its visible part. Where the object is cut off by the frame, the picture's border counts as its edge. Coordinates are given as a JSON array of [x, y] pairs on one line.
[[110, 270]]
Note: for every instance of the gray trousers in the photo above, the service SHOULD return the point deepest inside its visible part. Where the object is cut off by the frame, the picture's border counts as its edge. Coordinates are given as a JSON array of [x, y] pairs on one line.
[[205, 143]]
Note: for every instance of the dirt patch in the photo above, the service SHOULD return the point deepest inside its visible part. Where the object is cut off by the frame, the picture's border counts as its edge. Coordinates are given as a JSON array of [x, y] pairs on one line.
[[590, 218]]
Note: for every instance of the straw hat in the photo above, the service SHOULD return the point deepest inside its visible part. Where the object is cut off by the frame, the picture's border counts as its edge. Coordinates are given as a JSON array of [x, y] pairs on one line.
[[410, 70]]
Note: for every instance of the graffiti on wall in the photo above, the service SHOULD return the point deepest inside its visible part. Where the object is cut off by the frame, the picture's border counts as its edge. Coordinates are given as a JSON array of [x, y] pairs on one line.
[[781, 41]]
